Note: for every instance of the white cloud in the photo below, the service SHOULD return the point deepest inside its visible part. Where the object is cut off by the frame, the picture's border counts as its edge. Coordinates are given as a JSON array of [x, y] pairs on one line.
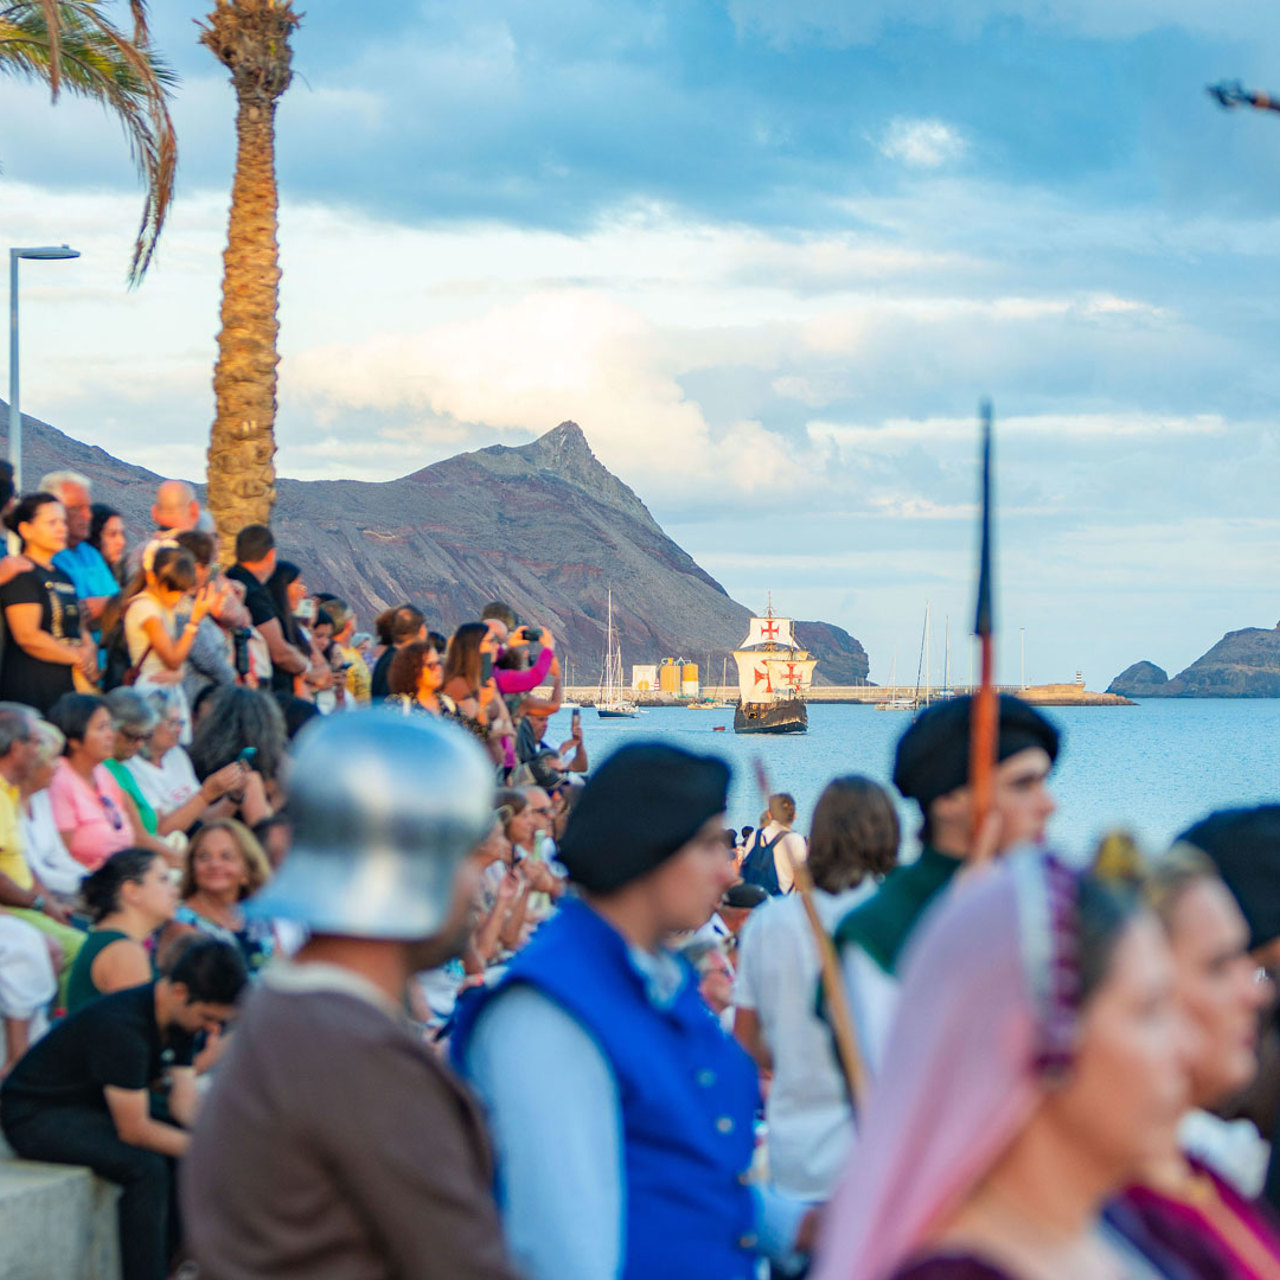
[[922, 144]]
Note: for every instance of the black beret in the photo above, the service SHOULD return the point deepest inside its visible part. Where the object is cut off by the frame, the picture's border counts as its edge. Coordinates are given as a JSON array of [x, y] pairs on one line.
[[1244, 844], [642, 805], [744, 896], [933, 755]]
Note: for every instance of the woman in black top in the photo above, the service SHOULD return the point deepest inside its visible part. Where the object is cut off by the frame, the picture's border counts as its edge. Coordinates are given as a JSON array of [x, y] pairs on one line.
[[46, 643]]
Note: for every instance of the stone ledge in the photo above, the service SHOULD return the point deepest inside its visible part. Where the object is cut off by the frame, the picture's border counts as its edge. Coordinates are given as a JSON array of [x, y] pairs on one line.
[[57, 1222]]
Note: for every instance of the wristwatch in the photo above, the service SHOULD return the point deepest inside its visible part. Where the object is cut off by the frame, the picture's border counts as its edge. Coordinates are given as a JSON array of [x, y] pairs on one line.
[[38, 903]]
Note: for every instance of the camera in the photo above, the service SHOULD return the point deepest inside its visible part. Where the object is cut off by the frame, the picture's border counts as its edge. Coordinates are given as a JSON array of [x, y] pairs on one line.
[[533, 634], [240, 639]]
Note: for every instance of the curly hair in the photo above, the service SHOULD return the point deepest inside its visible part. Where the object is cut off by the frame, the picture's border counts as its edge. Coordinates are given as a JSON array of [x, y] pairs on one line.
[[854, 834], [256, 865], [237, 718], [405, 673]]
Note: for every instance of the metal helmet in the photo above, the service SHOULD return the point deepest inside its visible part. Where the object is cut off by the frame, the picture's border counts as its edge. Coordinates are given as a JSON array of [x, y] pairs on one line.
[[384, 809]]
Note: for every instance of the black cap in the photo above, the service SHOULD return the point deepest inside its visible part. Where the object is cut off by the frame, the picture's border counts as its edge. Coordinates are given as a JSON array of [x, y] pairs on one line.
[[642, 805], [933, 754], [1244, 844]]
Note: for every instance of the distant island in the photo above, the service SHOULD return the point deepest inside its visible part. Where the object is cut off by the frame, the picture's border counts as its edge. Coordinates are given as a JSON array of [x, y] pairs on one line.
[[1243, 664]]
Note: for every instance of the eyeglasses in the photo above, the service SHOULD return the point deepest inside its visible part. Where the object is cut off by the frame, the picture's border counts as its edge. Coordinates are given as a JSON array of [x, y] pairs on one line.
[[133, 735], [112, 811]]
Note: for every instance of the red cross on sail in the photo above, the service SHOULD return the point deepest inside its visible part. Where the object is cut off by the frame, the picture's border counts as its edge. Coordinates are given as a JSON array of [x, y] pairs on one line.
[[762, 678], [770, 630]]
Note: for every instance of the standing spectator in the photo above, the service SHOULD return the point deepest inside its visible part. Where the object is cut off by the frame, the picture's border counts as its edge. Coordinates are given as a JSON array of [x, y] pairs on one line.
[[355, 673], [334, 1143], [128, 898], [776, 848], [47, 640], [46, 853], [81, 1094], [157, 649], [80, 560], [255, 563], [288, 591], [415, 677], [175, 509], [95, 818], [107, 537], [405, 625], [853, 843], [209, 659]]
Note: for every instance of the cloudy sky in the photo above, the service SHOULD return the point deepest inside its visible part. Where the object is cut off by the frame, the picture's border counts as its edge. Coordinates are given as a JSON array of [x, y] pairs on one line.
[[769, 256]]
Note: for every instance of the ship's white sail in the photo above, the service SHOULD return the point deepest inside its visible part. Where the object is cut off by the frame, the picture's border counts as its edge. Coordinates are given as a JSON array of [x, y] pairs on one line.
[[770, 631], [753, 675], [788, 674]]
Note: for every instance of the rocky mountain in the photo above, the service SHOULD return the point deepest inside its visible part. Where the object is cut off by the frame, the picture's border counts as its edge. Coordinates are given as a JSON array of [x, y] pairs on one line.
[[544, 526], [1243, 664]]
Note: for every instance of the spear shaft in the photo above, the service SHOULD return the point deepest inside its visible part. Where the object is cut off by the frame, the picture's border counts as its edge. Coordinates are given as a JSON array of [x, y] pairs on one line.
[[984, 714]]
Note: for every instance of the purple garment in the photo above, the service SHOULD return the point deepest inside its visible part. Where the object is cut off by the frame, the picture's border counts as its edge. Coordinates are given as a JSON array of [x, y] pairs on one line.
[[951, 1266]]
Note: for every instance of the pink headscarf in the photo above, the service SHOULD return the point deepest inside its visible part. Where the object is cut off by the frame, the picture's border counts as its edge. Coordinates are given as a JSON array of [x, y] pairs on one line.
[[987, 1003]]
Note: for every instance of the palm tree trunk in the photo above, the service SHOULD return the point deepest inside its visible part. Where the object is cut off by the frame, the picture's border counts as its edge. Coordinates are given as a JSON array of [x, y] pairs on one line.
[[250, 37]]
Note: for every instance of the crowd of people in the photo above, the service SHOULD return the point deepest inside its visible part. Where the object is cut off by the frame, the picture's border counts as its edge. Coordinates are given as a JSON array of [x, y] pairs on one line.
[[315, 945]]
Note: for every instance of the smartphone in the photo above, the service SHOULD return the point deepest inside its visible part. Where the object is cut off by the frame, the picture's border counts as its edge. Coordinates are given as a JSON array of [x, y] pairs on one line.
[[306, 610], [576, 719], [247, 757]]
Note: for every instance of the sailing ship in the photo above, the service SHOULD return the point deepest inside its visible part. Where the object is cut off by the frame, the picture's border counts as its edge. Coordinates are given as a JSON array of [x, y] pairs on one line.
[[611, 700], [773, 673]]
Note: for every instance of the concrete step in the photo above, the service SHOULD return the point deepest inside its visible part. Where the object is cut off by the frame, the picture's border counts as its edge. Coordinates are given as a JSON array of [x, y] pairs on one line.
[[57, 1222]]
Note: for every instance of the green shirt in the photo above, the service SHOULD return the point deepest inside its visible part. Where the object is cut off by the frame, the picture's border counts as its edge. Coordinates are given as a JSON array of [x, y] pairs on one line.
[[882, 924], [80, 984], [129, 785]]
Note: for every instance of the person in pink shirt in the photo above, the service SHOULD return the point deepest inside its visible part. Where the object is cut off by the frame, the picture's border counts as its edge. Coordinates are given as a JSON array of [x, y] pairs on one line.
[[93, 815]]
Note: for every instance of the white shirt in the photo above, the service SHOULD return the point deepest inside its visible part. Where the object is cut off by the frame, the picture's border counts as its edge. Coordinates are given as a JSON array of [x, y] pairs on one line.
[[794, 843], [46, 854], [810, 1124], [142, 608], [168, 785]]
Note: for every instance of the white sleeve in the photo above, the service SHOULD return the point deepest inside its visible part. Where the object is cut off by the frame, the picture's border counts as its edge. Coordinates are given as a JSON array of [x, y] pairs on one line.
[[556, 1122], [746, 981], [873, 1001]]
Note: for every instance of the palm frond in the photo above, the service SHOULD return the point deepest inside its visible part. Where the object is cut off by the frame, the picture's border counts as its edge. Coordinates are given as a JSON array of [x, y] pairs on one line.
[[83, 51]]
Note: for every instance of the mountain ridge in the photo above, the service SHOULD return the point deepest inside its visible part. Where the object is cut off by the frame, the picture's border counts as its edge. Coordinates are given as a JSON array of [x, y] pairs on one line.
[[1243, 664], [545, 526]]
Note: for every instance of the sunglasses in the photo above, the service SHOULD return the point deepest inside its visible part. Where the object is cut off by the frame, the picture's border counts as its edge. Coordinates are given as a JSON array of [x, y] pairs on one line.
[[133, 735], [112, 812]]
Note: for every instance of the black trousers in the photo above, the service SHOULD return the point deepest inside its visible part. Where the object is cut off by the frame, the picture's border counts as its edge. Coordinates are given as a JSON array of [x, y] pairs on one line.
[[84, 1135]]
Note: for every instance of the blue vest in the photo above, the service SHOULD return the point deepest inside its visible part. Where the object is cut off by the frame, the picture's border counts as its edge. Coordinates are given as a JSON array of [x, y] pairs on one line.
[[688, 1093]]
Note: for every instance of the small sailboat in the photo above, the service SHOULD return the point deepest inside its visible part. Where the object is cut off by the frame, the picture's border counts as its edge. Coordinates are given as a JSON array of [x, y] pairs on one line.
[[611, 700]]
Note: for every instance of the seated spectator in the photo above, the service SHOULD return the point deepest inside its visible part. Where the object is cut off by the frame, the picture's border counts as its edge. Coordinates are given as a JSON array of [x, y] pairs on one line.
[[128, 898], [400, 626], [355, 673], [94, 816], [80, 560], [58, 870], [210, 659], [162, 772], [28, 985], [107, 537], [414, 677], [275, 835], [243, 725], [134, 722], [81, 1095], [48, 640], [21, 890], [255, 563], [226, 865]]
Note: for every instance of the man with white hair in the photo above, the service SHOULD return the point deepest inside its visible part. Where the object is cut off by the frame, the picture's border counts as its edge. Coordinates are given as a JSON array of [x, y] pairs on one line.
[[81, 561]]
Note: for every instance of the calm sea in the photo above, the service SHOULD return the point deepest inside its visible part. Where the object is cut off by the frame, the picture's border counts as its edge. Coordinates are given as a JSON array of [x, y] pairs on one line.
[[1153, 768]]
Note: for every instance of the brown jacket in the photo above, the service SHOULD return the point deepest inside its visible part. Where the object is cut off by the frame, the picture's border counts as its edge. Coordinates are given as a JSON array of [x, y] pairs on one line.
[[335, 1146]]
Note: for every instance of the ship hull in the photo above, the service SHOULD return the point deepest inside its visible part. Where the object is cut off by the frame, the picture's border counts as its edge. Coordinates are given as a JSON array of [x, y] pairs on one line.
[[607, 714], [790, 716]]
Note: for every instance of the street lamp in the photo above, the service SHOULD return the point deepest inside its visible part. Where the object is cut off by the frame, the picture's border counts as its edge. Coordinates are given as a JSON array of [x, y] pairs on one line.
[[44, 254]]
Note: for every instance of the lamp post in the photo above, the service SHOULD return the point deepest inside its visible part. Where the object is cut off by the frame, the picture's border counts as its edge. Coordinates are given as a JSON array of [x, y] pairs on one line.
[[44, 253]]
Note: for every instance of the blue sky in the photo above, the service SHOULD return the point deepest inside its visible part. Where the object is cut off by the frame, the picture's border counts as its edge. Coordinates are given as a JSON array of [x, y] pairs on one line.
[[769, 256]]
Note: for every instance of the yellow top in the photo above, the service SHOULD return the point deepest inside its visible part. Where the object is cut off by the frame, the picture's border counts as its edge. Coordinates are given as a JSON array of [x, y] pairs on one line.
[[359, 682], [13, 860]]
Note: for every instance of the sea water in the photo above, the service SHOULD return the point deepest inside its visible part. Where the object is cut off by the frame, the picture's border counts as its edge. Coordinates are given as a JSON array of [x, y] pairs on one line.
[[1153, 768]]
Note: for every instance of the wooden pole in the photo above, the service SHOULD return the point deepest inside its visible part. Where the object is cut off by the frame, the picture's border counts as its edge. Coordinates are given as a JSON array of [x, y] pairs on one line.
[[984, 715]]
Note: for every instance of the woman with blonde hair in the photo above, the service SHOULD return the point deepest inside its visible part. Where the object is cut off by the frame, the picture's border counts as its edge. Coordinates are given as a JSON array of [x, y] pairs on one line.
[[225, 865]]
